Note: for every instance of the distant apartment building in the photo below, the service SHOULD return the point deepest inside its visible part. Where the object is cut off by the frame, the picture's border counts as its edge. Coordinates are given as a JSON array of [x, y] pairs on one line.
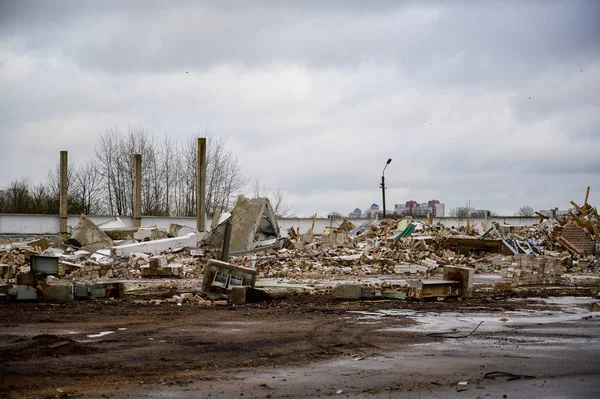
[[433, 208]]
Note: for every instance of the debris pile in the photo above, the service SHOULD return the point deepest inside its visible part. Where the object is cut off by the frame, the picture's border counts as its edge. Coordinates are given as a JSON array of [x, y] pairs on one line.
[[249, 239]]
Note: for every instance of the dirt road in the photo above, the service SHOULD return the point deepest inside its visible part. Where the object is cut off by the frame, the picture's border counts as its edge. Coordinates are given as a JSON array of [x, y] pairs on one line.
[[300, 346]]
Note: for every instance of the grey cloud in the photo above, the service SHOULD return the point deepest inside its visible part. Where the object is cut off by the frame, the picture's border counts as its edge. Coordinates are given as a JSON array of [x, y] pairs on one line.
[[313, 96], [507, 39]]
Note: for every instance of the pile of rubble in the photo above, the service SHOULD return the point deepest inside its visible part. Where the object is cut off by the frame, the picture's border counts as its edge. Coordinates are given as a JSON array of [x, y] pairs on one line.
[[249, 238]]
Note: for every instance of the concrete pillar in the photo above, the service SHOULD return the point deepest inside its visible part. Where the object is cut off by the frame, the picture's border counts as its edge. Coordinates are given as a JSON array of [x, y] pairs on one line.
[[63, 192], [137, 190], [201, 186]]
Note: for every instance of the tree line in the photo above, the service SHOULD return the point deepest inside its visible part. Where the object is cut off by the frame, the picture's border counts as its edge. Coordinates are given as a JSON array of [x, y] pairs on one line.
[[104, 184]]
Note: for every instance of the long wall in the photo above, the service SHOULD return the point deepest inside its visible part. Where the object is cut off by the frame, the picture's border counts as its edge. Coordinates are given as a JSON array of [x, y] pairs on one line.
[[48, 224]]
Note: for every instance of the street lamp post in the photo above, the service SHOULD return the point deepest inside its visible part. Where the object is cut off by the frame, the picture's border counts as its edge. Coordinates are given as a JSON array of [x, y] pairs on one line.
[[383, 183]]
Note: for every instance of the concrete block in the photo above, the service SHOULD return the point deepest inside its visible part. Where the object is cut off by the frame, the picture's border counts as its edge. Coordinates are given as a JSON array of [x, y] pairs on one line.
[[59, 293], [166, 244], [23, 292], [463, 274], [347, 291], [237, 296], [90, 236], [220, 277]]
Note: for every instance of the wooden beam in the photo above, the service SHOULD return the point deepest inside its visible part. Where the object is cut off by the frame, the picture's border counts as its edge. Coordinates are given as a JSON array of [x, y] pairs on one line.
[[542, 217], [569, 246], [578, 207], [587, 194]]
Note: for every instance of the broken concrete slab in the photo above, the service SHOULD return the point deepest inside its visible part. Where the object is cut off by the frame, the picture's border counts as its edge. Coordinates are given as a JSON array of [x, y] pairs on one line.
[[463, 274], [116, 223], [41, 243], [353, 292], [121, 233], [220, 277], [218, 219], [252, 220], [117, 230], [177, 230], [166, 244], [90, 236], [147, 233]]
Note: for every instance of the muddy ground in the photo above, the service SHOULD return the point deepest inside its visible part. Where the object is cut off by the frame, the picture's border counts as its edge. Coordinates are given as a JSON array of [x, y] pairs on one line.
[[270, 349]]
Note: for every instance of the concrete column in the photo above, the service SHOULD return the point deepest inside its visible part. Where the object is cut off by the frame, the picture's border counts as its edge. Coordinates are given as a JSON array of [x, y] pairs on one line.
[[63, 192], [201, 186], [137, 190]]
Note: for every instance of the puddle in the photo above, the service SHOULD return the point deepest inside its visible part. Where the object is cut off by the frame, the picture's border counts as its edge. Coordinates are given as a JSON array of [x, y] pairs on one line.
[[100, 334], [568, 309]]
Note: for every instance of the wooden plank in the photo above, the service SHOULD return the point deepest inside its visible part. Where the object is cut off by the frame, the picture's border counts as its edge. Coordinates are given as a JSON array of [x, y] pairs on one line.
[[569, 246], [587, 194], [578, 208]]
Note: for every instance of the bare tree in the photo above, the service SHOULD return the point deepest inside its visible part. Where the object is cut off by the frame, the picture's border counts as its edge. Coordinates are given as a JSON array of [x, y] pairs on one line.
[[87, 190], [460, 213], [526, 211], [17, 198], [280, 208], [169, 174], [480, 213], [223, 174], [53, 189]]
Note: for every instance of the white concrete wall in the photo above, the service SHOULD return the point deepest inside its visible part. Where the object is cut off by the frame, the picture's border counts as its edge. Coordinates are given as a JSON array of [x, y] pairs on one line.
[[48, 224]]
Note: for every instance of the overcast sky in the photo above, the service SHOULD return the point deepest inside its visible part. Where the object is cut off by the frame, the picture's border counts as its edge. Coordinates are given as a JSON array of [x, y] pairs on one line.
[[496, 103]]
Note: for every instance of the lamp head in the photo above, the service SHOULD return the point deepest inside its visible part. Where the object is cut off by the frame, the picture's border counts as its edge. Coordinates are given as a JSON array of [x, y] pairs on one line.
[[388, 161]]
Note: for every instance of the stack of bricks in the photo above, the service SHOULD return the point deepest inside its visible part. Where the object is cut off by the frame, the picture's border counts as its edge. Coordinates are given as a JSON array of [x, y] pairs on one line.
[[90, 272], [528, 269], [159, 267]]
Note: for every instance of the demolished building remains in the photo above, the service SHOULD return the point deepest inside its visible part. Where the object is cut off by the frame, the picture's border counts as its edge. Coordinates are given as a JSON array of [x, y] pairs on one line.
[[246, 244]]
